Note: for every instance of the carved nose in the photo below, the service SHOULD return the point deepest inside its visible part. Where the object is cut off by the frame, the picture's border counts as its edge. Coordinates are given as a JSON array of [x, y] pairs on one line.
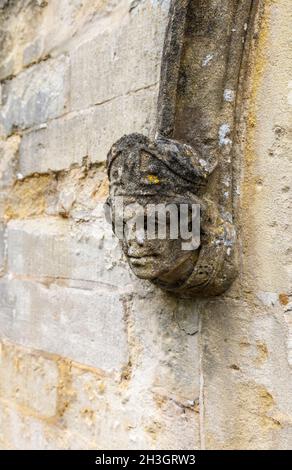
[[136, 241], [140, 237], [136, 238]]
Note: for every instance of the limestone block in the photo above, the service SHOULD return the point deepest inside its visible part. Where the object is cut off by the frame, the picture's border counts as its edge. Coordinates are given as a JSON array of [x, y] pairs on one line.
[[70, 139], [24, 431], [110, 415], [8, 161], [247, 403], [28, 380], [96, 413], [121, 60], [33, 30], [170, 341], [2, 248], [85, 325], [36, 95], [56, 249]]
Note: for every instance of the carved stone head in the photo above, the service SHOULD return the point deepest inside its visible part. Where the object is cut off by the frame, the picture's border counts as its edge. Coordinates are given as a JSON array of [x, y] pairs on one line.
[[145, 174]]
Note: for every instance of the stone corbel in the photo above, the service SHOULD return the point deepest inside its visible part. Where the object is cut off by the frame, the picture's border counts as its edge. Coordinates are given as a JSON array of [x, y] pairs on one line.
[[202, 68]]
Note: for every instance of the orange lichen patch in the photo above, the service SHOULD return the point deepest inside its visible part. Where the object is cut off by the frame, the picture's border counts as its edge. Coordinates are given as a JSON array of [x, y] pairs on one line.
[[283, 299], [260, 404], [23, 367], [253, 413], [153, 429], [263, 353], [60, 193], [266, 400], [126, 373], [65, 393], [153, 179], [196, 407], [27, 198], [101, 388], [103, 190], [160, 400], [88, 414], [257, 64]]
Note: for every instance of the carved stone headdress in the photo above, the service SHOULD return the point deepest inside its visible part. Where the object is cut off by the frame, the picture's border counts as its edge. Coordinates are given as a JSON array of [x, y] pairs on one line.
[[162, 167]]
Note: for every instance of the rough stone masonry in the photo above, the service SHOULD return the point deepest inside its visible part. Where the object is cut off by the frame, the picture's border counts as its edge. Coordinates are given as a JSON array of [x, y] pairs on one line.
[[91, 357]]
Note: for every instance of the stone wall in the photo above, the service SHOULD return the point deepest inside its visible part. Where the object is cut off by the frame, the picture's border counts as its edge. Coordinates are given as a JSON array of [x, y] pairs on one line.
[[91, 357]]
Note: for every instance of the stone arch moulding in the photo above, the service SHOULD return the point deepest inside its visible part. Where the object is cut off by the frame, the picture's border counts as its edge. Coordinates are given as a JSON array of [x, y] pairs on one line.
[[190, 157]]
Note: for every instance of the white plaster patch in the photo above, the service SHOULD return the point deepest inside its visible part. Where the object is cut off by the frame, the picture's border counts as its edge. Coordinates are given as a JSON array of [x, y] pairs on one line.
[[224, 132], [229, 95], [268, 298], [203, 163], [228, 216], [207, 59]]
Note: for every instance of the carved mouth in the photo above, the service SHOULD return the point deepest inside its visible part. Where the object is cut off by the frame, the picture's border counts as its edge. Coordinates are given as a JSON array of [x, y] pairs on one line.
[[141, 260]]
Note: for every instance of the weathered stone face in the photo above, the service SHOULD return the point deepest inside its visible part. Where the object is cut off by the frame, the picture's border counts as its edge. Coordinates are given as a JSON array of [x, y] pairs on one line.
[[155, 259], [145, 174], [167, 175]]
